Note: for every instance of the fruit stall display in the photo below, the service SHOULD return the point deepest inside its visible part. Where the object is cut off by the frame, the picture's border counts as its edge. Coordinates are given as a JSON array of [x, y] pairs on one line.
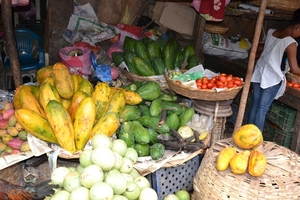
[[247, 167]]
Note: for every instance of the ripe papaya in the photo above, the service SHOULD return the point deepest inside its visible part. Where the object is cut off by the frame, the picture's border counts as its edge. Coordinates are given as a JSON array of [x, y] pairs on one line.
[[117, 102], [43, 73], [108, 124], [47, 93], [84, 122], [101, 96], [86, 86], [75, 101], [61, 124], [131, 97], [35, 124], [63, 80]]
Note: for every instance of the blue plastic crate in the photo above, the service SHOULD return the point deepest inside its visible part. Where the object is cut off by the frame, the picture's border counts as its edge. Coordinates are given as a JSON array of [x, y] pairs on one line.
[[169, 180]]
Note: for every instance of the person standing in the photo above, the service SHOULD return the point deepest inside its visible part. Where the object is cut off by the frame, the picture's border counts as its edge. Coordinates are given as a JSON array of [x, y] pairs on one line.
[[268, 79]]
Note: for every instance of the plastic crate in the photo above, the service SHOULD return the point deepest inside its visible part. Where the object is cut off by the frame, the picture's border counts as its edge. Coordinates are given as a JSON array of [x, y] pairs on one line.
[[282, 115], [273, 133], [169, 180]]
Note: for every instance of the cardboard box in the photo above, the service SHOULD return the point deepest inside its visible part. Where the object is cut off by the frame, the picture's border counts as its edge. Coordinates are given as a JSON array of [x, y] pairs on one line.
[[177, 17]]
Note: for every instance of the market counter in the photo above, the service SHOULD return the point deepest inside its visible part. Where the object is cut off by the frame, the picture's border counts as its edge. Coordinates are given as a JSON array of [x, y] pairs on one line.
[[239, 68]]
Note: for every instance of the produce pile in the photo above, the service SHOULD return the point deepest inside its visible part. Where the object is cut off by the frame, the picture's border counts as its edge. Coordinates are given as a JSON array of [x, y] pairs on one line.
[[106, 172], [147, 57], [247, 156], [13, 138]]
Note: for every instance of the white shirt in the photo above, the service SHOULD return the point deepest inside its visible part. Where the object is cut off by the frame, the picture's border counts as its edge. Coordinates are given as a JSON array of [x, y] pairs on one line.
[[267, 70]]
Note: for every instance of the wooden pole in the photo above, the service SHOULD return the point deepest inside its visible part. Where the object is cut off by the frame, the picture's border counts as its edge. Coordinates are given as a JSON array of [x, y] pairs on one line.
[[251, 64], [10, 41]]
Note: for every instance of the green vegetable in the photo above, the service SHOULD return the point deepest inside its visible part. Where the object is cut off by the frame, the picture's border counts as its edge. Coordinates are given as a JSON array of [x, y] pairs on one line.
[[142, 149], [141, 135], [168, 97], [171, 107], [175, 44], [145, 109], [188, 50], [168, 55], [149, 121], [158, 65], [118, 58], [143, 67], [150, 90], [157, 151], [193, 61], [140, 51], [187, 116], [128, 56], [153, 49], [126, 135], [179, 58], [173, 121], [153, 136], [156, 107], [129, 44], [164, 128], [130, 112]]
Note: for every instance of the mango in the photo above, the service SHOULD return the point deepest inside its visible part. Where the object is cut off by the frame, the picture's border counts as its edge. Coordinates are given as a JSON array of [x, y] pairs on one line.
[[19, 127], [15, 151], [2, 146], [23, 135], [8, 149], [4, 153], [3, 123], [6, 138], [12, 131], [8, 113], [15, 143], [12, 121], [3, 132], [25, 146], [8, 105]]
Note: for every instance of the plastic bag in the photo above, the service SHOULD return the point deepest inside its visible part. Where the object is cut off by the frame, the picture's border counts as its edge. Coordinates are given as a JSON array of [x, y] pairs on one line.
[[126, 17], [78, 64]]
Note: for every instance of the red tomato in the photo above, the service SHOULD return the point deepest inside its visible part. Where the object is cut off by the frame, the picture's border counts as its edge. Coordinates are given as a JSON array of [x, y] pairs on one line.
[[219, 84], [223, 79], [230, 85], [296, 85], [204, 86], [210, 85], [229, 77]]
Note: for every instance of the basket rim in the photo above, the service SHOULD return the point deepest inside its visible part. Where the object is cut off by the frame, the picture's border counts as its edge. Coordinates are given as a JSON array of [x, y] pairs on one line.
[[199, 94]]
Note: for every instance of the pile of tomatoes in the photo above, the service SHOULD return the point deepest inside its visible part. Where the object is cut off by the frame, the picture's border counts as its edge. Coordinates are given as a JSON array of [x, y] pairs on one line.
[[221, 81], [293, 84]]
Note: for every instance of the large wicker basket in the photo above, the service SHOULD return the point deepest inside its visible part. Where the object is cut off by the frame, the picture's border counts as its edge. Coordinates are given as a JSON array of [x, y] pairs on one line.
[[280, 181], [287, 5], [207, 95]]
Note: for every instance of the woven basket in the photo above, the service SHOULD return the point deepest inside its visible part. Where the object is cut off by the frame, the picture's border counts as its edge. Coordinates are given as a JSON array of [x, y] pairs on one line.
[[133, 77], [210, 28], [207, 95], [281, 179], [287, 5]]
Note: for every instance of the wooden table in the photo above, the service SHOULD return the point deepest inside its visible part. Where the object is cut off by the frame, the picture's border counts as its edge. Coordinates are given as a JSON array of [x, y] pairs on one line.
[[291, 96]]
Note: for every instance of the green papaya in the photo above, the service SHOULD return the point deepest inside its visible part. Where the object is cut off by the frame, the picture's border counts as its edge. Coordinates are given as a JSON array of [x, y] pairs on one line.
[[141, 135], [143, 67], [140, 51], [158, 65], [149, 91], [153, 136], [173, 121], [130, 112], [168, 55], [188, 50], [142, 149], [171, 106], [153, 49], [149, 121], [157, 151], [193, 61], [145, 109], [187, 116], [168, 97], [129, 44], [156, 107], [126, 135], [117, 58], [179, 58], [129, 62]]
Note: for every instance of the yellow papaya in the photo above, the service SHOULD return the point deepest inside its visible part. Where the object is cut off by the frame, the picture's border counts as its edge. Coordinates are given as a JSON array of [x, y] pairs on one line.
[[224, 157], [63, 80], [35, 90], [86, 86], [35, 124], [61, 124], [66, 103], [84, 122], [257, 163], [248, 136], [108, 124], [239, 162], [76, 83], [117, 102], [28, 100], [76, 99], [101, 96], [47, 93], [131, 97], [17, 101], [43, 73], [49, 79]]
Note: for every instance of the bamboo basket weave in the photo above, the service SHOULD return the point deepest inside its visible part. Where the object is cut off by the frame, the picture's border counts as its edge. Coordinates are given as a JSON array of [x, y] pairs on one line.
[[207, 95], [280, 181], [287, 5], [134, 77]]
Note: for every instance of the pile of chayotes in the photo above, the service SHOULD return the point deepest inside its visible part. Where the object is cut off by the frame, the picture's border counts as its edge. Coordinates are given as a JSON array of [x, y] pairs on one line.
[[68, 110]]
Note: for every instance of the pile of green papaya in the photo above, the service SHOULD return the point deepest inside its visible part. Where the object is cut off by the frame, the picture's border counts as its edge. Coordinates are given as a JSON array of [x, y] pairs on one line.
[[147, 57], [156, 116]]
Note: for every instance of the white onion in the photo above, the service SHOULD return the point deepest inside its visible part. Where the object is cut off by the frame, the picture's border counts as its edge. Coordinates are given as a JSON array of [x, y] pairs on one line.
[[132, 191], [119, 146], [127, 166], [58, 175], [71, 181], [148, 194], [131, 154], [85, 158], [104, 158], [90, 175], [101, 191], [142, 182], [61, 195], [117, 181], [80, 193], [101, 140], [119, 161], [171, 197]]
